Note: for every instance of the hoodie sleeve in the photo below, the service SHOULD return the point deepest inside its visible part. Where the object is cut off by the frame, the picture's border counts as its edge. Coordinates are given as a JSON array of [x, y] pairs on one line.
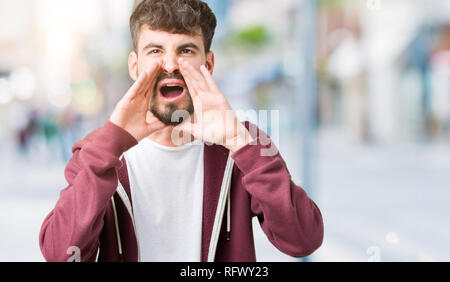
[[71, 230], [289, 218]]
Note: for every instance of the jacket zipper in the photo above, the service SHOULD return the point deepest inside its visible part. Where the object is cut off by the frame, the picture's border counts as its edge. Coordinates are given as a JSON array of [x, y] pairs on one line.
[[124, 197], [224, 196]]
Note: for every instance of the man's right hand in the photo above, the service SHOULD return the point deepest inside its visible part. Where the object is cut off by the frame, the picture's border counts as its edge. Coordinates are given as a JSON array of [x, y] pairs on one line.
[[132, 111]]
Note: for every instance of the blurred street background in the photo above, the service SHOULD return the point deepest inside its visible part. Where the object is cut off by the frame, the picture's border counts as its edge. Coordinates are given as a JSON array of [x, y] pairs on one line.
[[362, 90]]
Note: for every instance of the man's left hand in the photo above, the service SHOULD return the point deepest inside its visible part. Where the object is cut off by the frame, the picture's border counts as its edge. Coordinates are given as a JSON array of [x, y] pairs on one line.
[[215, 120]]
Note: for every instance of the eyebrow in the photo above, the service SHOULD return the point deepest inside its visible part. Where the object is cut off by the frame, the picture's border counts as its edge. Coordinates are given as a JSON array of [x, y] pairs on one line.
[[189, 45], [152, 45], [183, 46]]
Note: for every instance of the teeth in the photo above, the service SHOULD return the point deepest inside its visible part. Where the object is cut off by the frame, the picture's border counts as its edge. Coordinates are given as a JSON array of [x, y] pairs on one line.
[[172, 85]]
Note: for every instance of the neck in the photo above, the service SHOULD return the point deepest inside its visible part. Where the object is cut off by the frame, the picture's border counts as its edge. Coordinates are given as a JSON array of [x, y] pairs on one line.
[[164, 137]]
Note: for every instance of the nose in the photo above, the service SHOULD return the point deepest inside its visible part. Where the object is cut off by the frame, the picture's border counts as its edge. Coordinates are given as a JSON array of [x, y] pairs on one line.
[[170, 63]]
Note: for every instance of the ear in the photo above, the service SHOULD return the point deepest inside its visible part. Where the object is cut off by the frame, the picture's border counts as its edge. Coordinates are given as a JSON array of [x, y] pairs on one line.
[[132, 65], [210, 62]]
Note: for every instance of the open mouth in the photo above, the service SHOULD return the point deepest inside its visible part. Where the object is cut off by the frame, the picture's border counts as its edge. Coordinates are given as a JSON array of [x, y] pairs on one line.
[[171, 90]]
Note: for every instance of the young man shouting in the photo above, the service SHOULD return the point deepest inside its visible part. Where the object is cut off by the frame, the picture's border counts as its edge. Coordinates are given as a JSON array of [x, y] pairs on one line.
[[137, 191]]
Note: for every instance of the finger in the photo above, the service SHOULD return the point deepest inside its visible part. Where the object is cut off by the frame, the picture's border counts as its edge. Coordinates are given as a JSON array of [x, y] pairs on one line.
[[188, 78], [148, 95], [155, 68], [209, 79], [134, 89], [195, 76], [142, 87], [192, 87], [153, 73]]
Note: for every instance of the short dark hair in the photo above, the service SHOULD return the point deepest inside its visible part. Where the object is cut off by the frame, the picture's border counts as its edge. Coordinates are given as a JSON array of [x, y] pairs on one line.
[[174, 16]]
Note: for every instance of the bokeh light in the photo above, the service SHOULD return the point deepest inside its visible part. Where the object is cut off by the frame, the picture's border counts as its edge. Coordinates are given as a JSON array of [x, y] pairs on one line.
[[23, 83], [6, 94]]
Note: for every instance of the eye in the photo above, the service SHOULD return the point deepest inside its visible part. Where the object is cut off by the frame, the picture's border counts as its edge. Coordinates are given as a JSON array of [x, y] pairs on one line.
[[187, 51], [154, 51]]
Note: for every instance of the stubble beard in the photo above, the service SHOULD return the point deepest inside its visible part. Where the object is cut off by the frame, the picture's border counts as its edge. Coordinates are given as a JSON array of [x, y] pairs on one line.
[[171, 113]]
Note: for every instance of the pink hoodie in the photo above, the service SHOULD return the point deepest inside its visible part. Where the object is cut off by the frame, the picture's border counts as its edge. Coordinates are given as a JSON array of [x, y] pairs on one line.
[[94, 216]]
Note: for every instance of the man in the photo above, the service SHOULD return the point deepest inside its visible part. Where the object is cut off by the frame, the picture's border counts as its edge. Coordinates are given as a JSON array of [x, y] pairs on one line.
[[173, 175]]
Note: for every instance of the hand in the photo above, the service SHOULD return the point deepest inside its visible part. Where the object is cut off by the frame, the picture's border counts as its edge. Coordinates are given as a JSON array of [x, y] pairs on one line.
[[215, 121], [132, 111]]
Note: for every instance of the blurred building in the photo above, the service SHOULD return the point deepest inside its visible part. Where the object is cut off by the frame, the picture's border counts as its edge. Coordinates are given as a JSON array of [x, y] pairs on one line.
[[377, 69], [62, 67]]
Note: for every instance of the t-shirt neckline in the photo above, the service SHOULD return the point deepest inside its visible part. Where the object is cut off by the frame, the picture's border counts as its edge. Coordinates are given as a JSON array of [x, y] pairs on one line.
[[196, 142]]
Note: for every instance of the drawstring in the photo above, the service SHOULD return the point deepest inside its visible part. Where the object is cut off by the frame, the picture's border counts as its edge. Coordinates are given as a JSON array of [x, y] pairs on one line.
[[228, 215], [119, 242], [224, 198]]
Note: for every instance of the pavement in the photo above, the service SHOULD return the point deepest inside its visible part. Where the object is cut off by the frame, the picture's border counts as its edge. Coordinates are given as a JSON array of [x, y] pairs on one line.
[[384, 203]]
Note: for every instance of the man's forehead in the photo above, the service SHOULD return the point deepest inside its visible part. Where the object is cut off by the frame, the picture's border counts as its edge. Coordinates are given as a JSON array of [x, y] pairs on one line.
[[163, 38]]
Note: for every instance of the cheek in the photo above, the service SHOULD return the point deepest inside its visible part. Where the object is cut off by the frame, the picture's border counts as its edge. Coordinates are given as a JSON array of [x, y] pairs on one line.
[[197, 61], [144, 63]]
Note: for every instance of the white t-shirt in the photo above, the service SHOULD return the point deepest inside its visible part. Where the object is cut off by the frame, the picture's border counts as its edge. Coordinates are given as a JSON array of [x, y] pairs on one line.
[[167, 194]]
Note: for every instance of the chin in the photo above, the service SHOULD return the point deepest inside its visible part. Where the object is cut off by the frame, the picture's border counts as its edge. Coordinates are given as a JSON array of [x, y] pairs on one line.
[[166, 115]]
